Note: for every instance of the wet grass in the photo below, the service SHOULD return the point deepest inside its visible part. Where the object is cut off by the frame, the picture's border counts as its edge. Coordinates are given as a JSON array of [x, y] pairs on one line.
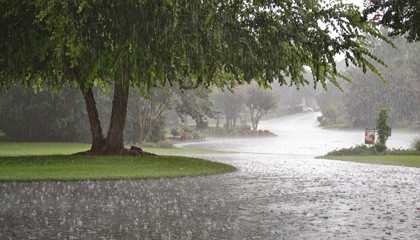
[[409, 161], [62, 167], [53, 161], [25, 149]]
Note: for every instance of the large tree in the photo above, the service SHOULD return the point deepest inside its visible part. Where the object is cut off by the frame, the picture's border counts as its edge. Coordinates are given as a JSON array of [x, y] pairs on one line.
[[146, 43]]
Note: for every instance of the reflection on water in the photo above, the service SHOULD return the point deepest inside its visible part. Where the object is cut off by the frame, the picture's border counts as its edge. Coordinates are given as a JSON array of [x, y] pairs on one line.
[[279, 192]]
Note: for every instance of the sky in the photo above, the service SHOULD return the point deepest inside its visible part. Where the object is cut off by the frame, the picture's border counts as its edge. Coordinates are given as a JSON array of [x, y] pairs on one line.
[[357, 2]]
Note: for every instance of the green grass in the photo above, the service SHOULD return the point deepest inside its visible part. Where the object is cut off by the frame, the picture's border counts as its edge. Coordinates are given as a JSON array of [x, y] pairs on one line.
[[52, 161], [61, 167], [409, 161], [24, 148]]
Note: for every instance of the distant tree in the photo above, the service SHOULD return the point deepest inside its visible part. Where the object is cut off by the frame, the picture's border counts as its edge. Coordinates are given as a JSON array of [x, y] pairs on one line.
[[150, 110], [231, 104], [401, 93], [45, 116], [259, 102], [401, 16], [195, 103], [121, 44], [331, 112]]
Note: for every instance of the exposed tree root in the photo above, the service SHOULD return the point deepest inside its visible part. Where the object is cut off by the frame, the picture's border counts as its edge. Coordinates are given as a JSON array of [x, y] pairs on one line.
[[133, 151]]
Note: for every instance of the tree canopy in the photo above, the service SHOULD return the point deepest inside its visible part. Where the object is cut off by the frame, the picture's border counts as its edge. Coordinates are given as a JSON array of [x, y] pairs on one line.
[[147, 43], [401, 16]]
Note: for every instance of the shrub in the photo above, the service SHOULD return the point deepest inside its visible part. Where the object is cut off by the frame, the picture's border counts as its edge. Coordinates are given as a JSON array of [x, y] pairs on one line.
[[234, 133], [185, 136], [380, 147], [221, 132], [331, 112], [243, 133], [187, 128], [416, 144], [196, 135], [175, 131], [241, 128], [358, 150]]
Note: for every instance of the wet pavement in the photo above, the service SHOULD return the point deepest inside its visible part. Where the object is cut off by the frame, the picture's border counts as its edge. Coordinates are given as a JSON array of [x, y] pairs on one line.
[[278, 192]]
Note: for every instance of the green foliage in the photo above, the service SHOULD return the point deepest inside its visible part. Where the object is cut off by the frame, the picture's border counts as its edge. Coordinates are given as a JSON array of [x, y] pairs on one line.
[[195, 103], [400, 93], [187, 128], [331, 112], [380, 147], [193, 43], [359, 150], [26, 116], [186, 43], [416, 144], [382, 125], [157, 131], [400, 16], [363, 150], [259, 102], [242, 128], [230, 104], [175, 131]]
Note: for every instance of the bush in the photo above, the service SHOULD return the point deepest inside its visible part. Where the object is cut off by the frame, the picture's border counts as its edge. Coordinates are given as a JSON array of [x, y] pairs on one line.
[[196, 135], [175, 131], [416, 144], [221, 132], [187, 128], [331, 112], [185, 136], [380, 147], [363, 150], [358, 150]]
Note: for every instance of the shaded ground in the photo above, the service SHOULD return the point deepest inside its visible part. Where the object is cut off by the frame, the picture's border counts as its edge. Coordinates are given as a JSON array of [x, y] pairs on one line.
[[276, 194]]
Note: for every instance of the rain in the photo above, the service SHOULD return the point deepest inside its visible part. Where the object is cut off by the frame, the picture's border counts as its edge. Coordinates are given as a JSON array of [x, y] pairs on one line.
[[275, 132]]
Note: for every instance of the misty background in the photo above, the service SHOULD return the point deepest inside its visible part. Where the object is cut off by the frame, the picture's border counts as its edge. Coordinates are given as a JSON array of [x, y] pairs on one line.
[[46, 116]]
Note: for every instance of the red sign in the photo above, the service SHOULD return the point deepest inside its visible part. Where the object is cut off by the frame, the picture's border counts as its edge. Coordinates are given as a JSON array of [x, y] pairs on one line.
[[370, 136]]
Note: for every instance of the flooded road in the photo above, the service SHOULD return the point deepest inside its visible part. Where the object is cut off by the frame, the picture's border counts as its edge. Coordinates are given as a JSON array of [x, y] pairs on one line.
[[279, 192]]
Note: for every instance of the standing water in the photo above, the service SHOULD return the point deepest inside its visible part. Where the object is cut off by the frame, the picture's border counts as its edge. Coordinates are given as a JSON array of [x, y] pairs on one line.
[[279, 192]]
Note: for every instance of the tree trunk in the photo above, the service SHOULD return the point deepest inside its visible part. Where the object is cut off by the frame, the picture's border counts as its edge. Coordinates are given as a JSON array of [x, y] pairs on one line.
[[114, 141], [98, 141]]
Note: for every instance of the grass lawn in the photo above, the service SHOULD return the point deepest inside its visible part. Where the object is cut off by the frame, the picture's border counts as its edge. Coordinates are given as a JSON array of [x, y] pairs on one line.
[[409, 161], [45, 163], [35, 148]]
